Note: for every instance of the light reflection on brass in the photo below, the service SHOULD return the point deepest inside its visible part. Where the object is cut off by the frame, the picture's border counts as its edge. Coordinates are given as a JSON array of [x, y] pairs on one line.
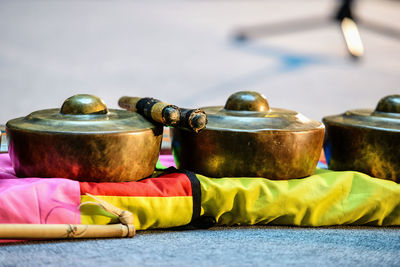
[[87, 142], [271, 143], [366, 140], [83, 104], [247, 101]]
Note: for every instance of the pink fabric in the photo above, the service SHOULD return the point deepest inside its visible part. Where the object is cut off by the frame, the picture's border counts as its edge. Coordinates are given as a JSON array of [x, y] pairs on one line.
[[167, 160], [37, 200]]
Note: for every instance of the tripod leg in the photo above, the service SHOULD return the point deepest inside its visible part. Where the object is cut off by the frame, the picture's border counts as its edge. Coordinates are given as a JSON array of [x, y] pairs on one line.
[[267, 30], [381, 29]]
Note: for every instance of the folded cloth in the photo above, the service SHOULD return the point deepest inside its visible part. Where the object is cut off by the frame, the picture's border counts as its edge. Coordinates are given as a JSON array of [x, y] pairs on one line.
[[323, 199], [36, 200], [173, 199], [176, 198], [170, 200]]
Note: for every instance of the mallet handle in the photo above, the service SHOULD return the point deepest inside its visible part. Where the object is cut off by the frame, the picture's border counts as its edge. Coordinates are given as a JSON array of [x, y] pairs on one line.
[[152, 109], [169, 115]]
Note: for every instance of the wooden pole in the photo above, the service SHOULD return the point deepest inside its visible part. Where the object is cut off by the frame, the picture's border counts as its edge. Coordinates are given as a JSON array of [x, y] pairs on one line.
[[63, 231]]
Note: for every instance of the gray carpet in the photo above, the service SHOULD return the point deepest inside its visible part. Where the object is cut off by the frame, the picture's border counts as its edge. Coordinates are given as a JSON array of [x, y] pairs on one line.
[[219, 246]]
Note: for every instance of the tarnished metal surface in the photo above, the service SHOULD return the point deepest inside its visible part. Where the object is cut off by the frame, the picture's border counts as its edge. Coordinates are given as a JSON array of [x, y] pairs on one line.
[[263, 142], [389, 104], [247, 101], [83, 104], [366, 140], [84, 144]]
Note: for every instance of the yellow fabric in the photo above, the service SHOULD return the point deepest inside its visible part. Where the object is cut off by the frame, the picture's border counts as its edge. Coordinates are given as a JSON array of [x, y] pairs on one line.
[[148, 212], [325, 198]]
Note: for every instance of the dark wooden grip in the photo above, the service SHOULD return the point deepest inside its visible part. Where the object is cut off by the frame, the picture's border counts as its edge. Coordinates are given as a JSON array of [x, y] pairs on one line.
[[152, 109], [169, 115]]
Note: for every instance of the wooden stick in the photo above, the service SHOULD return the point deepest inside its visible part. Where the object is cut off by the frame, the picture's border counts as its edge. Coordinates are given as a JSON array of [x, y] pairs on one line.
[[152, 109], [169, 115], [63, 231]]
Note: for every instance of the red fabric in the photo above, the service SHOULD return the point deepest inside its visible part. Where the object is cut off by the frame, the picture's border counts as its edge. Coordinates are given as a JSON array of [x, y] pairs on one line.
[[174, 184]]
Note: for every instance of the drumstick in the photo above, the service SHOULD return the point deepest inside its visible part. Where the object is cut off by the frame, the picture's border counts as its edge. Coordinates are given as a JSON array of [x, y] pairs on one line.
[[169, 115], [152, 109], [193, 119]]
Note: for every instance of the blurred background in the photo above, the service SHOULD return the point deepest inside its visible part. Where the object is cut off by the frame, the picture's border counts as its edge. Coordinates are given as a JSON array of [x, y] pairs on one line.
[[187, 53]]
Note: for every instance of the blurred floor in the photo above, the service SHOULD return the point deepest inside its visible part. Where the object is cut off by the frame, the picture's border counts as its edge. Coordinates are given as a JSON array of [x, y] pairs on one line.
[[183, 52]]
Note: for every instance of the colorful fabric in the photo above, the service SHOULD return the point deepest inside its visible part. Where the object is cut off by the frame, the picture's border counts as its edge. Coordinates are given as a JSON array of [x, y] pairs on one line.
[[36, 200], [176, 198], [160, 202], [165, 161], [325, 198], [173, 199]]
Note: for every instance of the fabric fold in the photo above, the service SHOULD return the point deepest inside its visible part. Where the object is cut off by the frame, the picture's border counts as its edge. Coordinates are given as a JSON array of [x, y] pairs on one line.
[[175, 198], [323, 199]]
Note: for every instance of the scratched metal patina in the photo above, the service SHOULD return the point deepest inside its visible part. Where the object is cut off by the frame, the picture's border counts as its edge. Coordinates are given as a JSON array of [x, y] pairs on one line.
[[247, 138], [84, 141], [366, 140]]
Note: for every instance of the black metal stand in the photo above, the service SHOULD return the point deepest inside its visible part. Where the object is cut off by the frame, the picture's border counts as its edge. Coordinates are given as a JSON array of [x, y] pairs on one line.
[[343, 16]]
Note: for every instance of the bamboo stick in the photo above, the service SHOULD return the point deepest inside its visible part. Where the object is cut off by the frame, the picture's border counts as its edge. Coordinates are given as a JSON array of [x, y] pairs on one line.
[[63, 231]]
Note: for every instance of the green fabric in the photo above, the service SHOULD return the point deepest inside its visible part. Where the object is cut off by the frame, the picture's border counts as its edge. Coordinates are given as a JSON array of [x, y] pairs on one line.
[[325, 198], [159, 165]]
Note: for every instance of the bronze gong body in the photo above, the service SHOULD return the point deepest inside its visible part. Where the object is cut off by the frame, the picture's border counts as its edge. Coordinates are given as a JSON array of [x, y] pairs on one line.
[[366, 140], [247, 138], [84, 141]]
